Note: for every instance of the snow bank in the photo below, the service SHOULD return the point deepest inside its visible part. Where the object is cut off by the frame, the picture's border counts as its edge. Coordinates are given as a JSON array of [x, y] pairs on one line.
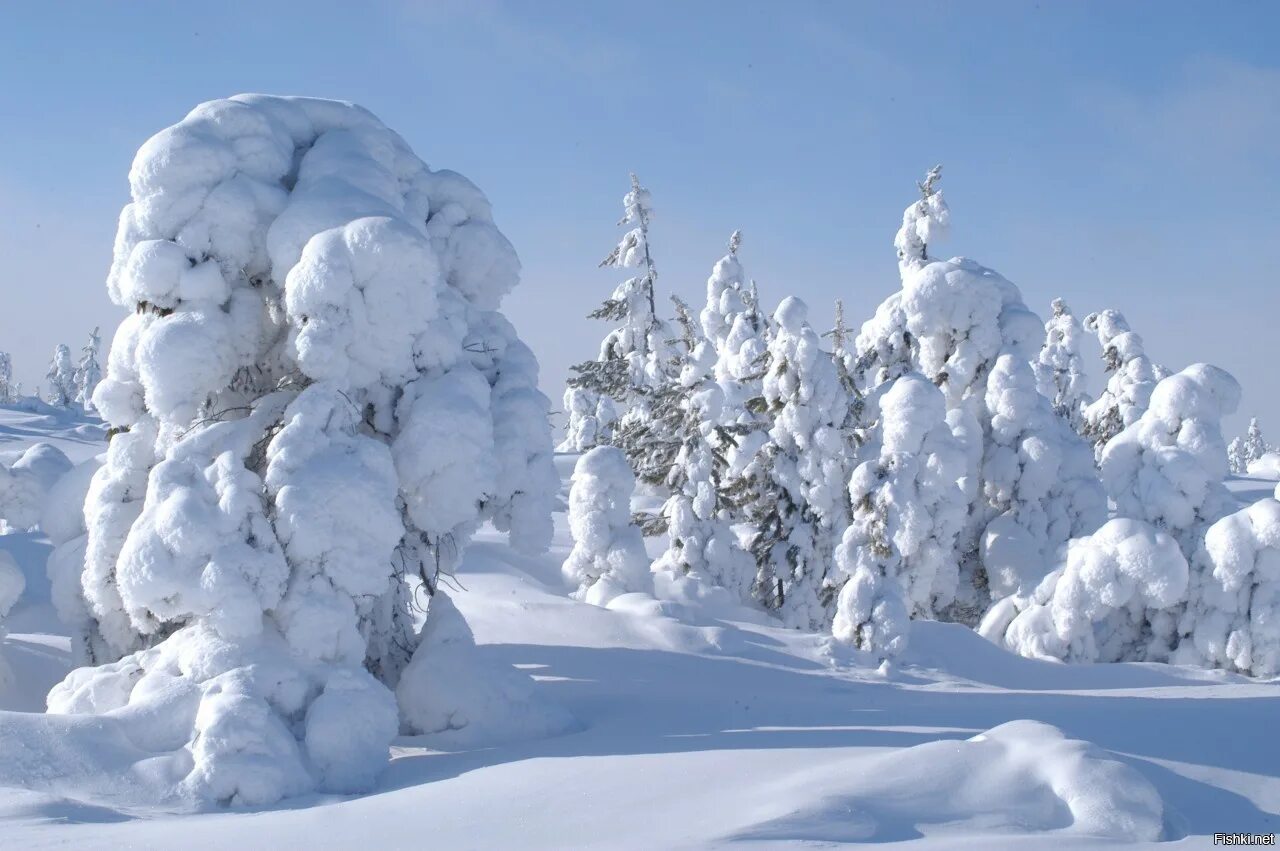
[[1265, 467], [1023, 776]]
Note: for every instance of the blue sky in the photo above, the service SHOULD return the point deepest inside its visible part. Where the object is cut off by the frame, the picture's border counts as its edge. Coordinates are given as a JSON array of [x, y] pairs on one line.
[[1120, 155]]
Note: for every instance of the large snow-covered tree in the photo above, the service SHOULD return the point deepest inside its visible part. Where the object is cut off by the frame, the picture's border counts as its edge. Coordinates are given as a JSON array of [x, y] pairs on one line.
[[1060, 373], [1030, 481], [61, 377], [794, 483], [897, 556], [314, 403]]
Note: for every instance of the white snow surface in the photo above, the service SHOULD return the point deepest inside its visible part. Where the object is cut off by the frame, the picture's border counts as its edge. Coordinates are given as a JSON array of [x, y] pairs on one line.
[[677, 721]]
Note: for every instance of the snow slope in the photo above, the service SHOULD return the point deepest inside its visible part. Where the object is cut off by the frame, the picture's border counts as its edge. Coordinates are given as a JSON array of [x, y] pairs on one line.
[[696, 724]]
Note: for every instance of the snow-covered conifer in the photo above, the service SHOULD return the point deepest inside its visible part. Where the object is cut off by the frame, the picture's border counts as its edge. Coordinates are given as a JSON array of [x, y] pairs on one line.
[[738, 334], [897, 555], [1167, 467], [1132, 378], [314, 403], [794, 483], [62, 377], [633, 357], [1243, 451], [1029, 479], [590, 421], [1106, 601], [88, 372], [608, 556], [1060, 368], [8, 392], [923, 222]]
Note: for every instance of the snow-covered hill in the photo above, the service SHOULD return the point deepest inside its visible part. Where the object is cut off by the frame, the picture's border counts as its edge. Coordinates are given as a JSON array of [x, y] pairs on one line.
[[688, 721]]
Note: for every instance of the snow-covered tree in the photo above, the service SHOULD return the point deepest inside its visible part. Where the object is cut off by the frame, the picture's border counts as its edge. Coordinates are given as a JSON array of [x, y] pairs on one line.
[[1106, 601], [1059, 367], [88, 372], [608, 557], [1168, 466], [1029, 480], [737, 332], [25, 484], [1132, 378], [923, 222], [1243, 451], [1232, 620], [62, 377], [591, 420], [897, 557], [314, 403], [8, 391], [634, 356], [794, 484]]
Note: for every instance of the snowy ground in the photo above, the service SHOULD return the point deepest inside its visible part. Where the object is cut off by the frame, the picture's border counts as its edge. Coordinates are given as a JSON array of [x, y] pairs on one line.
[[700, 725]]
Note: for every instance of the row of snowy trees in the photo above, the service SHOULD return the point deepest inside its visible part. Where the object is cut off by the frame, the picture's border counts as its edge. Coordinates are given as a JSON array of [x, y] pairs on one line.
[[69, 383], [948, 464]]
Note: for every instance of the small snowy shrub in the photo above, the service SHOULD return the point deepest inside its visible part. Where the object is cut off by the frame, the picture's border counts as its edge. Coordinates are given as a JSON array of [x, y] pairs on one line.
[[1105, 602], [608, 557], [25, 485]]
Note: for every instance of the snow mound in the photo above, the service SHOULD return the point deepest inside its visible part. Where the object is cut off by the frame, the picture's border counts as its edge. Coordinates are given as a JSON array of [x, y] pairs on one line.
[[1021, 776], [25, 485], [1266, 467], [456, 698]]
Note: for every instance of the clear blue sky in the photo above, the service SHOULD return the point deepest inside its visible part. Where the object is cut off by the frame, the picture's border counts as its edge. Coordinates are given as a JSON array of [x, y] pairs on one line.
[[1117, 154]]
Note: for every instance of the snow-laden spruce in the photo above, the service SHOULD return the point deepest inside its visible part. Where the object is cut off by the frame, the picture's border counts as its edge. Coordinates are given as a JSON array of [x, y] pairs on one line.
[[1030, 480], [1232, 619], [794, 484], [61, 377], [1060, 372], [1133, 376], [633, 358], [314, 403], [88, 371], [896, 558], [737, 333], [1167, 467], [1245, 450], [608, 557], [590, 420], [1106, 601]]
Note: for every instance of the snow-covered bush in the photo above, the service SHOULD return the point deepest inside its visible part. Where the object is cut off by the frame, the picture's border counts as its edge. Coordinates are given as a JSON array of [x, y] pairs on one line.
[[1059, 367], [314, 403], [25, 484], [1106, 601], [795, 504], [608, 557], [1167, 467], [1233, 618], [88, 371], [897, 555], [1133, 376], [1029, 479], [62, 377]]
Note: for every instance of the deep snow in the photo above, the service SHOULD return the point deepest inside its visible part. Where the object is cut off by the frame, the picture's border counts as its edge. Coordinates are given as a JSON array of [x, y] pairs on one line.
[[688, 721]]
